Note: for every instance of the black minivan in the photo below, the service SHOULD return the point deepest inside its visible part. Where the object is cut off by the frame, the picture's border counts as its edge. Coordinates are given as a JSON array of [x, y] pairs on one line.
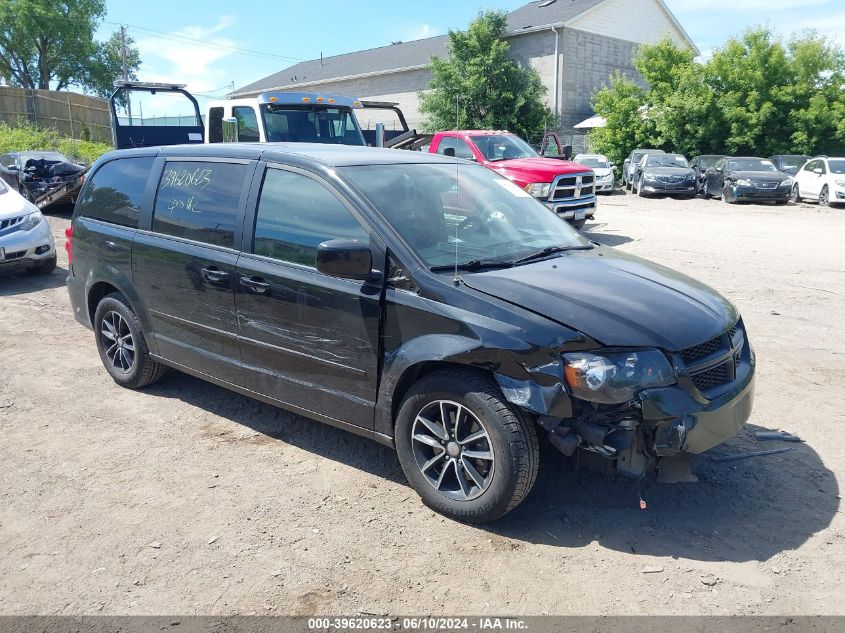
[[424, 302]]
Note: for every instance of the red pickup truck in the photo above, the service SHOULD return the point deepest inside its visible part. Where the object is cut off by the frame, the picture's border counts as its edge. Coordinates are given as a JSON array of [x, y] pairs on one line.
[[565, 187]]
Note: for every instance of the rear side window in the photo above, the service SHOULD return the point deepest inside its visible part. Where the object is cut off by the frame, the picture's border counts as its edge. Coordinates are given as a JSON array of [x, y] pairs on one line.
[[115, 192], [199, 201], [215, 125], [296, 214]]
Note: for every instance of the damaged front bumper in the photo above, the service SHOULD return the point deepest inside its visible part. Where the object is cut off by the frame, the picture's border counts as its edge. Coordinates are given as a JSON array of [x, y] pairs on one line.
[[688, 417]]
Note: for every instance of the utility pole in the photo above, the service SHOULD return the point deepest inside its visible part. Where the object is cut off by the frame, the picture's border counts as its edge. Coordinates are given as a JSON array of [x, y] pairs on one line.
[[125, 69]]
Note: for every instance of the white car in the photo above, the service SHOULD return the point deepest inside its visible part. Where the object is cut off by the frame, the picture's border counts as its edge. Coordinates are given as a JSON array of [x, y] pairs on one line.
[[26, 242], [821, 178], [603, 168]]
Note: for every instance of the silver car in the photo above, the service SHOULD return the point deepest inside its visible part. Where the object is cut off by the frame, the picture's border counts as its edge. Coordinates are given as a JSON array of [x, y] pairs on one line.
[[26, 242]]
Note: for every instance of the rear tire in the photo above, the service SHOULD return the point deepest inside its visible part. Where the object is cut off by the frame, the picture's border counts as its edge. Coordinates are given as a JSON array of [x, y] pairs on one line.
[[435, 456], [122, 346]]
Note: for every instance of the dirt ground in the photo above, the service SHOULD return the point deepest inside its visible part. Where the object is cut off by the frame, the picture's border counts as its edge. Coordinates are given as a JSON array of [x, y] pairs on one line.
[[188, 499]]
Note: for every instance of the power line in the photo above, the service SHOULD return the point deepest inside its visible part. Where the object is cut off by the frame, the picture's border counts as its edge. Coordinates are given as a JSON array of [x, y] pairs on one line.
[[181, 38]]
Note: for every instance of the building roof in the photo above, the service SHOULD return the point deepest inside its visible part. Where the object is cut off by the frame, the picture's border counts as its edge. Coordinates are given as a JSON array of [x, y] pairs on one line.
[[544, 13], [418, 53]]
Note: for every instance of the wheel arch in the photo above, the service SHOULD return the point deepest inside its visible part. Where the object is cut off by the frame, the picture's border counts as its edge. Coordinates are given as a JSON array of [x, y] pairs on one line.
[[97, 289]]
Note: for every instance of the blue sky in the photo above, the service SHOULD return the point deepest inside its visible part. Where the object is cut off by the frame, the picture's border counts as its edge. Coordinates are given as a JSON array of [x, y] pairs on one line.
[[194, 41]]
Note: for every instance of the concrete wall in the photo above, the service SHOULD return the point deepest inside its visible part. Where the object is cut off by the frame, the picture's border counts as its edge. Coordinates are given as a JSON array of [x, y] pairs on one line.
[[642, 21], [588, 62], [537, 50]]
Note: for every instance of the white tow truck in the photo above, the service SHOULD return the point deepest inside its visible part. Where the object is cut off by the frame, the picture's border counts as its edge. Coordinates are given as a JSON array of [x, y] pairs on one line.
[[297, 117]]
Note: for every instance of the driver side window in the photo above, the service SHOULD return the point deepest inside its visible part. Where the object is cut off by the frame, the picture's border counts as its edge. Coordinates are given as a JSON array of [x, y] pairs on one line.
[[459, 148]]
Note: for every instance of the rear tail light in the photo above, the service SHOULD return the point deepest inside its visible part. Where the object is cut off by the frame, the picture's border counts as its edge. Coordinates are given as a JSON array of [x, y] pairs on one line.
[[69, 244]]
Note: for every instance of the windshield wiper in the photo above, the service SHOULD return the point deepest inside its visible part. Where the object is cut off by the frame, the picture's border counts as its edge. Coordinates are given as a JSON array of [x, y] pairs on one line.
[[550, 250], [474, 264]]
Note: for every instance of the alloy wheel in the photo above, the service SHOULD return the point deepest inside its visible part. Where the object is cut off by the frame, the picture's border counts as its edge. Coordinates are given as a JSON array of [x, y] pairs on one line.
[[795, 196], [824, 197], [453, 450], [117, 341]]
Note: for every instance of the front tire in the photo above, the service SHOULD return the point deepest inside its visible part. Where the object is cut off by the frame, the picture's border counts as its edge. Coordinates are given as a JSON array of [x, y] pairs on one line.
[[796, 194], [640, 191], [122, 346], [824, 197], [726, 196], [468, 454]]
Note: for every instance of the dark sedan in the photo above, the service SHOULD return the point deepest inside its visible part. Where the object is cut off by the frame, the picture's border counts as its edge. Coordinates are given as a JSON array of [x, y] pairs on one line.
[[33, 173], [700, 164], [747, 178], [789, 163], [668, 174]]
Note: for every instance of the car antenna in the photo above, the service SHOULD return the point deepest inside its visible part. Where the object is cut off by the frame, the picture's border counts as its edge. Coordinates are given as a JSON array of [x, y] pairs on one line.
[[456, 279]]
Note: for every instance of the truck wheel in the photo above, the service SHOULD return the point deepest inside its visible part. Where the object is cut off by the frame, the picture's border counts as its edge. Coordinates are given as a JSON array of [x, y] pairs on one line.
[[464, 449], [122, 346]]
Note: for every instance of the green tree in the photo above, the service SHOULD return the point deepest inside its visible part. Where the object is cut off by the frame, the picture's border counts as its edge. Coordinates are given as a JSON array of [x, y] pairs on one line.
[[480, 86], [107, 66], [45, 43], [756, 95]]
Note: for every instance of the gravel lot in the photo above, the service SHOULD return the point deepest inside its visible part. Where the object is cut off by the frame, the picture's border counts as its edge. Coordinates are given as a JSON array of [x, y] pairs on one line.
[[186, 498]]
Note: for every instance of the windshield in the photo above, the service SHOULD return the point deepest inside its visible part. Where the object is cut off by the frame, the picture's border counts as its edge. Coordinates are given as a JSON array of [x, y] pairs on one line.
[[706, 162], [311, 124], [503, 147], [443, 210], [45, 156], [595, 163], [751, 164], [837, 165], [793, 162], [667, 160]]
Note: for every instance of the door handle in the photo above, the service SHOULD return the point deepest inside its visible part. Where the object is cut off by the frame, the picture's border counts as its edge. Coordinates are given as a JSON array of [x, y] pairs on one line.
[[114, 246], [215, 275], [255, 285]]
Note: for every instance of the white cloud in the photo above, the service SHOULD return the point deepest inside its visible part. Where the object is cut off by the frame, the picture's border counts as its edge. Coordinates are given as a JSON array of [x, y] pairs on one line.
[[419, 32], [197, 64]]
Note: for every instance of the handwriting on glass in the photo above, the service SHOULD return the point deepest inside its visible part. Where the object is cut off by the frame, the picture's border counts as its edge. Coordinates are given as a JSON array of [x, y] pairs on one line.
[[187, 181]]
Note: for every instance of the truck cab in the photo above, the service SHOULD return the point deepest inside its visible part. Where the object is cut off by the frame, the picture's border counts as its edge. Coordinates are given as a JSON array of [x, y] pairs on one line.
[[174, 117], [565, 187]]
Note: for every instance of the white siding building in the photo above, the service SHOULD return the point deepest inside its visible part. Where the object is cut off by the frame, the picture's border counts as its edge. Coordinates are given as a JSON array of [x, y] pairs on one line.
[[574, 45]]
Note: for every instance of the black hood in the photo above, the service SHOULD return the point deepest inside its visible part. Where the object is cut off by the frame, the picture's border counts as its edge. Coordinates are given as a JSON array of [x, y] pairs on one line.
[[766, 176], [668, 171], [614, 298]]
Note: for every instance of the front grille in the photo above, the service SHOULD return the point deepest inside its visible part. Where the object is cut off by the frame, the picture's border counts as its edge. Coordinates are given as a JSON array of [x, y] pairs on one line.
[[699, 358], [766, 185], [671, 179], [572, 186], [14, 255], [711, 378], [692, 354], [11, 224]]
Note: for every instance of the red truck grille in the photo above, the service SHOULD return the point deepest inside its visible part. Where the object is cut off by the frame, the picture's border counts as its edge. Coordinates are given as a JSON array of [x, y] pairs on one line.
[[572, 186]]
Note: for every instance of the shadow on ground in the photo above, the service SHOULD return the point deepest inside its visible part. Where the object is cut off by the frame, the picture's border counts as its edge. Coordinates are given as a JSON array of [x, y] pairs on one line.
[[23, 283], [743, 510], [607, 239]]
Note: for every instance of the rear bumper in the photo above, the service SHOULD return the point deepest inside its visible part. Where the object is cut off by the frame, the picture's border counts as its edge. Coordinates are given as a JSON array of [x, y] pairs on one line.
[[24, 250], [78, 304]]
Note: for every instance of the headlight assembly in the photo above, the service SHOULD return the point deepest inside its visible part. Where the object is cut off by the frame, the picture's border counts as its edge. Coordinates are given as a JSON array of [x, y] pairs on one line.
[[840, 183], [31, 221], [744, 182], [538, 189], [787, 183], [616, 377]]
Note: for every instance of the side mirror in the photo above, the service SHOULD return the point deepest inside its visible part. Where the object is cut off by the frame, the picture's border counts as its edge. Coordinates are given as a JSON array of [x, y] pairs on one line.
[[449, 151], [230, 130], [818, 170], [567, 152], [13, 167], [612, 165], [347, 259]]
